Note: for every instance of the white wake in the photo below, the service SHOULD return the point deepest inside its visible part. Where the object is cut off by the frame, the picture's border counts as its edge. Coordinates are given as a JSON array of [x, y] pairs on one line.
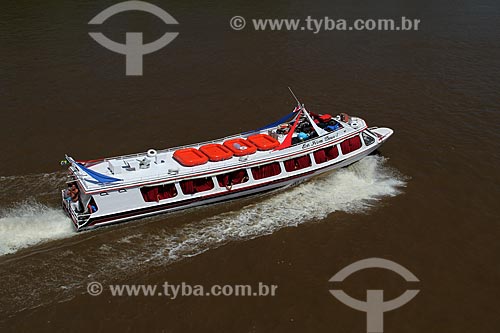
[[30, 223], [353, 189]]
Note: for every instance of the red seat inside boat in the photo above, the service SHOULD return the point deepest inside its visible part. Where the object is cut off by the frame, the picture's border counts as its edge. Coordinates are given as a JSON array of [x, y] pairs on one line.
[[190, 157], [240, 147], [216, 152], [263, 141]]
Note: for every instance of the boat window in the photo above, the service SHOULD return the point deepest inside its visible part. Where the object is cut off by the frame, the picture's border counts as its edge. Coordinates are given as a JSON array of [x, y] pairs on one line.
[[193, 186], [326, 154], [350, 145], [368, 139], [297, 163], [264, 171], [232, 178], [157, 193]]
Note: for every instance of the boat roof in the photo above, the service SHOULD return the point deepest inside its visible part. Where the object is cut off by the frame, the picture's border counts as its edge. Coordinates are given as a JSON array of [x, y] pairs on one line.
[[130, 170]]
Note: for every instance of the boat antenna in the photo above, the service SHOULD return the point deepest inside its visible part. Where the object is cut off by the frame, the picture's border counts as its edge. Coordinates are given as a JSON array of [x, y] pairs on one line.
[[300, 105]]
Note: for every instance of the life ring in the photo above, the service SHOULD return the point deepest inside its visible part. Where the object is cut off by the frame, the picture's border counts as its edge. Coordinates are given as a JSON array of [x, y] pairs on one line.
[[152, 153]]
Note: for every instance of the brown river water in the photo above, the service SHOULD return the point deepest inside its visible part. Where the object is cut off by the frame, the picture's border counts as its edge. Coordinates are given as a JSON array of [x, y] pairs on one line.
[[426, 200]]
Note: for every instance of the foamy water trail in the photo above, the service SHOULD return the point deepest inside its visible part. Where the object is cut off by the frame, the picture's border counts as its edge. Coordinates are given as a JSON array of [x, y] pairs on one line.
[[353, 189], [31, 223], [24, 223]]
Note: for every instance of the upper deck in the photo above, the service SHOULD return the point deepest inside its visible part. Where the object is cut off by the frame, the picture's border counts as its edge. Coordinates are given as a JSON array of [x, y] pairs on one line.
[[160, 166]]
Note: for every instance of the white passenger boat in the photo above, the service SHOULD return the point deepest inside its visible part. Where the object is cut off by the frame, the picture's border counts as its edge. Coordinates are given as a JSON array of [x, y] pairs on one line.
[[293, 149]]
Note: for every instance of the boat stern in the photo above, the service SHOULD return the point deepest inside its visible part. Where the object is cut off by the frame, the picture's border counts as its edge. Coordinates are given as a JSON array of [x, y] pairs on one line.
[[79, 219]]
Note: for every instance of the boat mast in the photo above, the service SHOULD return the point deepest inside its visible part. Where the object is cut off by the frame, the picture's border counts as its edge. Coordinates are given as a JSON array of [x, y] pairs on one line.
[[318, 130], [299, 105]]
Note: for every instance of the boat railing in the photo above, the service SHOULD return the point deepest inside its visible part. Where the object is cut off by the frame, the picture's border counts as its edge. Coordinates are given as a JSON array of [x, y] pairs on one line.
[[173, 149], [174, 172], [65, 201], [165, 176], [81, 218]]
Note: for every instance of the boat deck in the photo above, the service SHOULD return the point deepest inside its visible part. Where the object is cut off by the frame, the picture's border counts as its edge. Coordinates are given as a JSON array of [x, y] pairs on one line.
[[130, 170]]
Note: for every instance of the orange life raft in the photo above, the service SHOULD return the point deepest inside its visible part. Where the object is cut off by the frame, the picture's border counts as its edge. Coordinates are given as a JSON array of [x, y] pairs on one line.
[[240, 147], [264, 141], [216, 152], [190, 157]]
